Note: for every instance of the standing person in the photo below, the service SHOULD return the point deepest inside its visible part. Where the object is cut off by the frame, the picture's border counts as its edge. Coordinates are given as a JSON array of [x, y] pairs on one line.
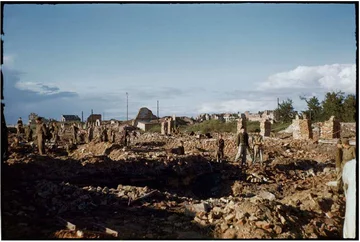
[[126, 137], [242, 142], [74, 133], [257, 142], [29, 133], [338, 162], [41, 135], [220, 150], [348, 152], [19, 126], [55, 133]]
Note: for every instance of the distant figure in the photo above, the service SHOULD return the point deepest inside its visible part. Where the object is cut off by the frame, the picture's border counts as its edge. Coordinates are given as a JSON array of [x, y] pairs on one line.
[[28, 133], [242, 142], [220, 150], [349, 180], [257, 142], [181, 148], [338, 165], [19, 127], [41, 135], [55, 132], [192, 133], [126, 141], [74, 132]]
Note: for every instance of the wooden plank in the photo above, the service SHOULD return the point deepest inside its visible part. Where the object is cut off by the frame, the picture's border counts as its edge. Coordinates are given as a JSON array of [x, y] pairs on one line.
[[67, 224], [106, 230]]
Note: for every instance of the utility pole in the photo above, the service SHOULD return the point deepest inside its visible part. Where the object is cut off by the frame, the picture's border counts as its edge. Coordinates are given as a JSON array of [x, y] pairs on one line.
[[82, 116], [158, 109], [127, 106]]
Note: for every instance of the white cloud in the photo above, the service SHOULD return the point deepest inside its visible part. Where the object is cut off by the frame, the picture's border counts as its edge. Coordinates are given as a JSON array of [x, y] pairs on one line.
[[327, 77], [236, 105], [307, 81]]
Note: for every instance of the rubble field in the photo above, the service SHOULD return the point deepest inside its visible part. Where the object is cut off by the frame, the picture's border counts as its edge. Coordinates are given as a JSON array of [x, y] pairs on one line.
[[143, 191]]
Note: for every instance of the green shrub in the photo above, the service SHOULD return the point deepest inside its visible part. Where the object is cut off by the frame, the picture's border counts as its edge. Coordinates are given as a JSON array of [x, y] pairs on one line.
[[155, 129], [210, 126]]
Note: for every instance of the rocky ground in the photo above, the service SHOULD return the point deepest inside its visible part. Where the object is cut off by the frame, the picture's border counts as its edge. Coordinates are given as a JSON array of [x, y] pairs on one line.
[[145, 192]]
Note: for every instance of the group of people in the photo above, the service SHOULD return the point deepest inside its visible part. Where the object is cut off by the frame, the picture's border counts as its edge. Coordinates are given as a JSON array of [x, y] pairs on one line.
[[242, 142]]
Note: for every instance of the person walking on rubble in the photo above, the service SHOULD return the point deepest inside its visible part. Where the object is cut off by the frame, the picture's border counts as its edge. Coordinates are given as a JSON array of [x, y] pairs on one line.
[[348, 153], [338, 165], [257, 142], [220, 150], [242, 142], [41, 132], [74, 133], [28, 133]]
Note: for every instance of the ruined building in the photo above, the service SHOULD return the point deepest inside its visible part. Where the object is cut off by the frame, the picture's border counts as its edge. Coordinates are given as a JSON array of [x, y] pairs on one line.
[[302, 128], [330, 129], [265, 127]]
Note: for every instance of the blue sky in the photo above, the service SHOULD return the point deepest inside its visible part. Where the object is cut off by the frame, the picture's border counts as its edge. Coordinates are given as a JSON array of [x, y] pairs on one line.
[[193, 58]]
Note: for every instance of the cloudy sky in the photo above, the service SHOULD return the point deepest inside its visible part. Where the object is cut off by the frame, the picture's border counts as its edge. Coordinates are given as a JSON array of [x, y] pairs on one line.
[[193, 58]]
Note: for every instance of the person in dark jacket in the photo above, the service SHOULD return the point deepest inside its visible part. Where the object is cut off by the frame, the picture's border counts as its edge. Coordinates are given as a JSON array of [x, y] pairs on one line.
[[220, 150], [242, 142], [338, 162]]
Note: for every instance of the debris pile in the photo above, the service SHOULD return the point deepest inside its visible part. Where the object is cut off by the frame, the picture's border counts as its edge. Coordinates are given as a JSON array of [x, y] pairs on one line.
[[184, 196]]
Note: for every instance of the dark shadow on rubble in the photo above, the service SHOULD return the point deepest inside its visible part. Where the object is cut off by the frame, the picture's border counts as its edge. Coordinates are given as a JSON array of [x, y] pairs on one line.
[[32, 207], [151, 143], [304, 165]]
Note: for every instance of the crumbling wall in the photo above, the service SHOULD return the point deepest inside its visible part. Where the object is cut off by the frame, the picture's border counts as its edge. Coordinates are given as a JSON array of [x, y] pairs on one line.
[[302, 128], [170, 123], [330, 129], [265, 128], [241, 123], [167, 126]]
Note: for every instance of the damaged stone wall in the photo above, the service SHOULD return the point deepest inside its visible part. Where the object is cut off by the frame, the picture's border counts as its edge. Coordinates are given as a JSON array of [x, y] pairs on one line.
[[265, 128], [330, 129], [167, 126], [302, 128], [241, 123]]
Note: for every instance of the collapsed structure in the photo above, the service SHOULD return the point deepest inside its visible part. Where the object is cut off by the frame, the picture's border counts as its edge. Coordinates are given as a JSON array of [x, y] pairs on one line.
[[302, 128]]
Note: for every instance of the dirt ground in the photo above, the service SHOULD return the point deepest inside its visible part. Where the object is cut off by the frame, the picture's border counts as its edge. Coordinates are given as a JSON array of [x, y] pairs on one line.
[[144, 192]]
